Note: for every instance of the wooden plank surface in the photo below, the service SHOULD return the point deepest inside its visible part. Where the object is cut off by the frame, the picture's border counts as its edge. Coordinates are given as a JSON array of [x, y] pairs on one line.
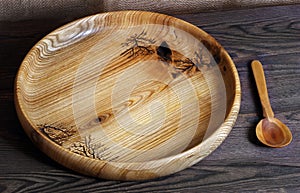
[[240, 164]]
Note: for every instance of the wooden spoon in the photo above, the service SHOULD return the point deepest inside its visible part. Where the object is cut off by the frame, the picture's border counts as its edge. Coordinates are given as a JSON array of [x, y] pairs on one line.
[[270, 131]]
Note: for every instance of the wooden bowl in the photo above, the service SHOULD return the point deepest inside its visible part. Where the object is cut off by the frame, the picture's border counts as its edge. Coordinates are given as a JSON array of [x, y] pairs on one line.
[[127, 95]]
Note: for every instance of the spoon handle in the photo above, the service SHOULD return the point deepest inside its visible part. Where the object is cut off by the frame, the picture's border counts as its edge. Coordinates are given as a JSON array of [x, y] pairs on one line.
[[260, 80]]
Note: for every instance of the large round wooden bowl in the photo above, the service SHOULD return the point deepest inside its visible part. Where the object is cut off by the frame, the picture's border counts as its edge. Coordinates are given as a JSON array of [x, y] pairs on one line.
[[127, 95]]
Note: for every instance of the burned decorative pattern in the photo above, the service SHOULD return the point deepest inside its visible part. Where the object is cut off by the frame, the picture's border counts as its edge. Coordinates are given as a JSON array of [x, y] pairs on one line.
[[86, 147], [140, 45], [57, 133], [90, 149]]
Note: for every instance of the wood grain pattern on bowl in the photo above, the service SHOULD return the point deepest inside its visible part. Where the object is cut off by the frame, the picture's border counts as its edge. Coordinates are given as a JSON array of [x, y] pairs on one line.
[[127, 95]]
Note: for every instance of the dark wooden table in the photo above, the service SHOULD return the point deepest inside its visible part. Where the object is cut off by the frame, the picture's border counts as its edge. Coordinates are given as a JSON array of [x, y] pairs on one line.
[[240, 164]]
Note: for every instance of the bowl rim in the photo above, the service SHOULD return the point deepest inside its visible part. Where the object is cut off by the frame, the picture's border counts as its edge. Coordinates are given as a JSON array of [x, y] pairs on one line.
[[64, 156]]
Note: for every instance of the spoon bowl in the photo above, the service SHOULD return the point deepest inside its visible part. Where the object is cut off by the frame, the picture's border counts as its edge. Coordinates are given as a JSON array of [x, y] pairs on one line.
[[270, 131]]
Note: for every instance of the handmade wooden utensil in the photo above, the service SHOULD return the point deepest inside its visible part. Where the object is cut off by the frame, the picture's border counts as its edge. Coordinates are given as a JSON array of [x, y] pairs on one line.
[[127, 95], [270, 131]]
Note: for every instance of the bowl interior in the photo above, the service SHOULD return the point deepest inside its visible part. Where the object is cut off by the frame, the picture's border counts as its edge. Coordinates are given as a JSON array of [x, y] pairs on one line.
[[127, 89]]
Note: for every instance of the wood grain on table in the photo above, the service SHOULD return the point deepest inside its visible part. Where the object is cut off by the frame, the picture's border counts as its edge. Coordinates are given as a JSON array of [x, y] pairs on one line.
[[240, 164]]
